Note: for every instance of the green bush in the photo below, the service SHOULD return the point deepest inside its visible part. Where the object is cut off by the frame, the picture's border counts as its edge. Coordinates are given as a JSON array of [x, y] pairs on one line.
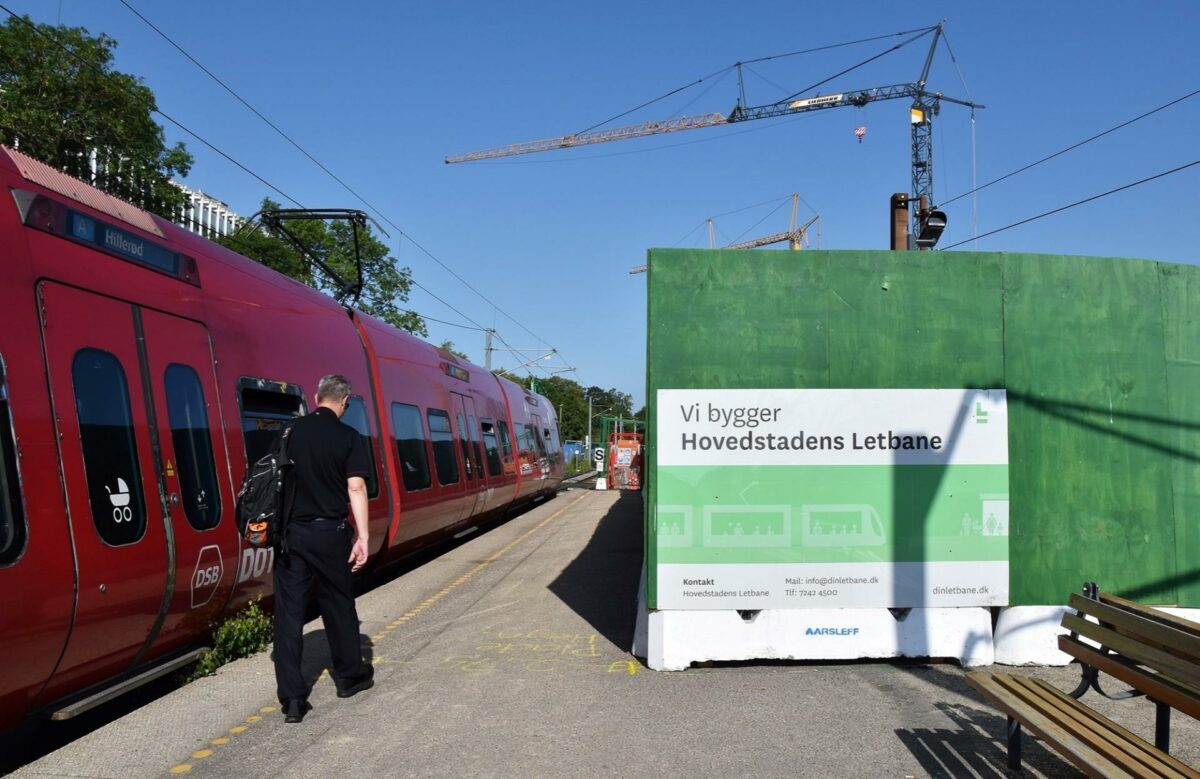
[[245, 633]]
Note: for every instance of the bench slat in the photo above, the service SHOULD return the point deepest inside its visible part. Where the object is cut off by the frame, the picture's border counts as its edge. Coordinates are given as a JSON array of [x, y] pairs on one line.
[[1074, 750], [1157, 687], [1149, 612], [1179, 670], [1098, 732], [1112, 733], [1138, 622]]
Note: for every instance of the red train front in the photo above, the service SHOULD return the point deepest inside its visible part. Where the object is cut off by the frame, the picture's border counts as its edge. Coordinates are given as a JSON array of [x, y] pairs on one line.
[[141, 368]]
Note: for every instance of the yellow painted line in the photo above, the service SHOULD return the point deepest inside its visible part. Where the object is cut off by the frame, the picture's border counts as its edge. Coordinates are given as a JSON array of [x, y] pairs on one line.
[[184, 768]]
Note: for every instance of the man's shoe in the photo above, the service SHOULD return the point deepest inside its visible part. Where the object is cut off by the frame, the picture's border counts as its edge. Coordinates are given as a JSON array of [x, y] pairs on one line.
[[294, 709], [354, 689]]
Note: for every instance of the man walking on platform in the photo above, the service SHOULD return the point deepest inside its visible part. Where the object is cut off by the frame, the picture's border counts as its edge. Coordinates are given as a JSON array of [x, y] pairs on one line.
[[330, 465]]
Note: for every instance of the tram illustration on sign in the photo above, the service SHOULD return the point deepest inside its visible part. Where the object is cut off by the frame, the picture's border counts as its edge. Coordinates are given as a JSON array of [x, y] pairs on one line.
[[753, 526], [848, 524]]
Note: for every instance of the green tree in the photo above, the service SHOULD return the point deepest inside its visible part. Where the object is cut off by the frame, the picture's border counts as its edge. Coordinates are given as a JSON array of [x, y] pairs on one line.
[[610, 402], [385, 286], [448, 345], [62, 103], [567, 397]]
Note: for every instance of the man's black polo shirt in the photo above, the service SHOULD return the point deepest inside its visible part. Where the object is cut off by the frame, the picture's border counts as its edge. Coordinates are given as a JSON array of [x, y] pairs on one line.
[[326, 453]]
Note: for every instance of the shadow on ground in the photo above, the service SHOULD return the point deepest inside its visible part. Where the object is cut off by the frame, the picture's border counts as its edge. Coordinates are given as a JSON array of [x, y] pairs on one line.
[[37, 738], [601, 583], [975, 746]]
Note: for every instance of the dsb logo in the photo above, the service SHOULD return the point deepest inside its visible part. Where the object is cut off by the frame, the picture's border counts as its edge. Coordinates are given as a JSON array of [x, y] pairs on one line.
[[207, 576]]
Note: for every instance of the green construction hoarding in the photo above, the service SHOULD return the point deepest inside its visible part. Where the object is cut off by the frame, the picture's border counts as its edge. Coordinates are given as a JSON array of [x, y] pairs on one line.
[[782, 387]]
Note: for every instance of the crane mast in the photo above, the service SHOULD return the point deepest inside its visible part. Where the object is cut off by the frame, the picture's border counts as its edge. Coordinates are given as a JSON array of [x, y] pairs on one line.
[[925, 105]]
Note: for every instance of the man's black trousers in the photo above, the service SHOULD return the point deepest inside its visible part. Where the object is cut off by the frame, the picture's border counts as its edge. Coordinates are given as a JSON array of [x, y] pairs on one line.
[[318, 551]]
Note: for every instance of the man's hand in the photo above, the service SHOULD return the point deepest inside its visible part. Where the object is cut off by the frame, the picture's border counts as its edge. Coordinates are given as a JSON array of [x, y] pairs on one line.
[[356, 486], [358, 554]]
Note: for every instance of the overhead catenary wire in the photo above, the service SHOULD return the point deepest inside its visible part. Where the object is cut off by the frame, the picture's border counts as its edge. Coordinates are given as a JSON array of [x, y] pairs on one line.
[[232, 238], [241, 100], [246, 169], [332, 175], [1072, 147], [92, 66], [1076, 203], [508, 316], [160, 112]]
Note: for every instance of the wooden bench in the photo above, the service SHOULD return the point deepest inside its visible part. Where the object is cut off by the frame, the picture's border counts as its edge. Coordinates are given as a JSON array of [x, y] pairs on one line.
[[1156, 654]]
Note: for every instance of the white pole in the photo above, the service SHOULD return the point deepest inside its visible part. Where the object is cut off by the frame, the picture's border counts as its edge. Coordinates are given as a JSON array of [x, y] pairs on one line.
[[589, 430]]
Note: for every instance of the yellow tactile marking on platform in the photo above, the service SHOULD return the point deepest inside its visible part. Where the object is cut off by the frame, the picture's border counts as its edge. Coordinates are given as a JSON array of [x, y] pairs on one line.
[[184, 768]]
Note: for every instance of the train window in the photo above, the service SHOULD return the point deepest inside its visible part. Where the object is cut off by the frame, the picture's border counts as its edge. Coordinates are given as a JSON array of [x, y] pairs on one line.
[[475, 445], [12, 517], [410, 446], [266, 405], [505, 441], [110, 457], [443, 447], [538, 441], [356, 417], [192, 441], [466, 447], [524, 444], [490, 447]]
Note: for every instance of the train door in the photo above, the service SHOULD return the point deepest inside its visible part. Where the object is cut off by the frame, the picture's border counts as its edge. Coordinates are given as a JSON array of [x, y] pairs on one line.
[[194, 474], [475, 482], [109, 474], [542, 469]]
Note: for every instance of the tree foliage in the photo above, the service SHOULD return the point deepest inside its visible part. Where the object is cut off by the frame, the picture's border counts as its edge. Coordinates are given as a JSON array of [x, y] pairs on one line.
[[448, 345], [385, 286], [570, 400], [62, 103]]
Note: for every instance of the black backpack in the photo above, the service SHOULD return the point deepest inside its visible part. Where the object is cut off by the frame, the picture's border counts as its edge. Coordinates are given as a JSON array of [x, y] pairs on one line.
[[262, 500]]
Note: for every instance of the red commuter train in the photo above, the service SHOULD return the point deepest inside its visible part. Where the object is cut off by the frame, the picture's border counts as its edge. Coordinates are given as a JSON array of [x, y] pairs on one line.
[[141, 368]]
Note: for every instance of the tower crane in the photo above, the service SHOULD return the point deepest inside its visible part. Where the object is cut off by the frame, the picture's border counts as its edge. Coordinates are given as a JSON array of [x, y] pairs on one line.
[[925, 106], [795, 236]]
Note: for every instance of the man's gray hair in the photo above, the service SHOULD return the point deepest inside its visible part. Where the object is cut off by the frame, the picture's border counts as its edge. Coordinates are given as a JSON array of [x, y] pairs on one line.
[[335, 386]]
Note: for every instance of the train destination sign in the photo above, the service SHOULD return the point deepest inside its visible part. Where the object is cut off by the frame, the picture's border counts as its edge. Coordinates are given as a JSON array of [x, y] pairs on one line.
[[120, 242], [805, 498]]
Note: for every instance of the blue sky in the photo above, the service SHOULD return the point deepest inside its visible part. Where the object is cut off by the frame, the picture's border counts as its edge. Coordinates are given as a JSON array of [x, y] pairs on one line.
[[380, 92]]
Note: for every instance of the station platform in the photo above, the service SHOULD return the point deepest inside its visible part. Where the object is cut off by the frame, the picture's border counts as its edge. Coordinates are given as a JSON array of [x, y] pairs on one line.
[[509, 655]]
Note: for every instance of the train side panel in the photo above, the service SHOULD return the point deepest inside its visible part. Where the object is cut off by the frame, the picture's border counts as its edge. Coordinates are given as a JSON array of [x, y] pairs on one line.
[[274, 339], [444, 419], [37, 572], [539, 447]]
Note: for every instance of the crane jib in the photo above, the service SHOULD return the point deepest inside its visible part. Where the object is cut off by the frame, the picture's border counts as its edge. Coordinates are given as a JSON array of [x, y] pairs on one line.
[[597, 136]]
